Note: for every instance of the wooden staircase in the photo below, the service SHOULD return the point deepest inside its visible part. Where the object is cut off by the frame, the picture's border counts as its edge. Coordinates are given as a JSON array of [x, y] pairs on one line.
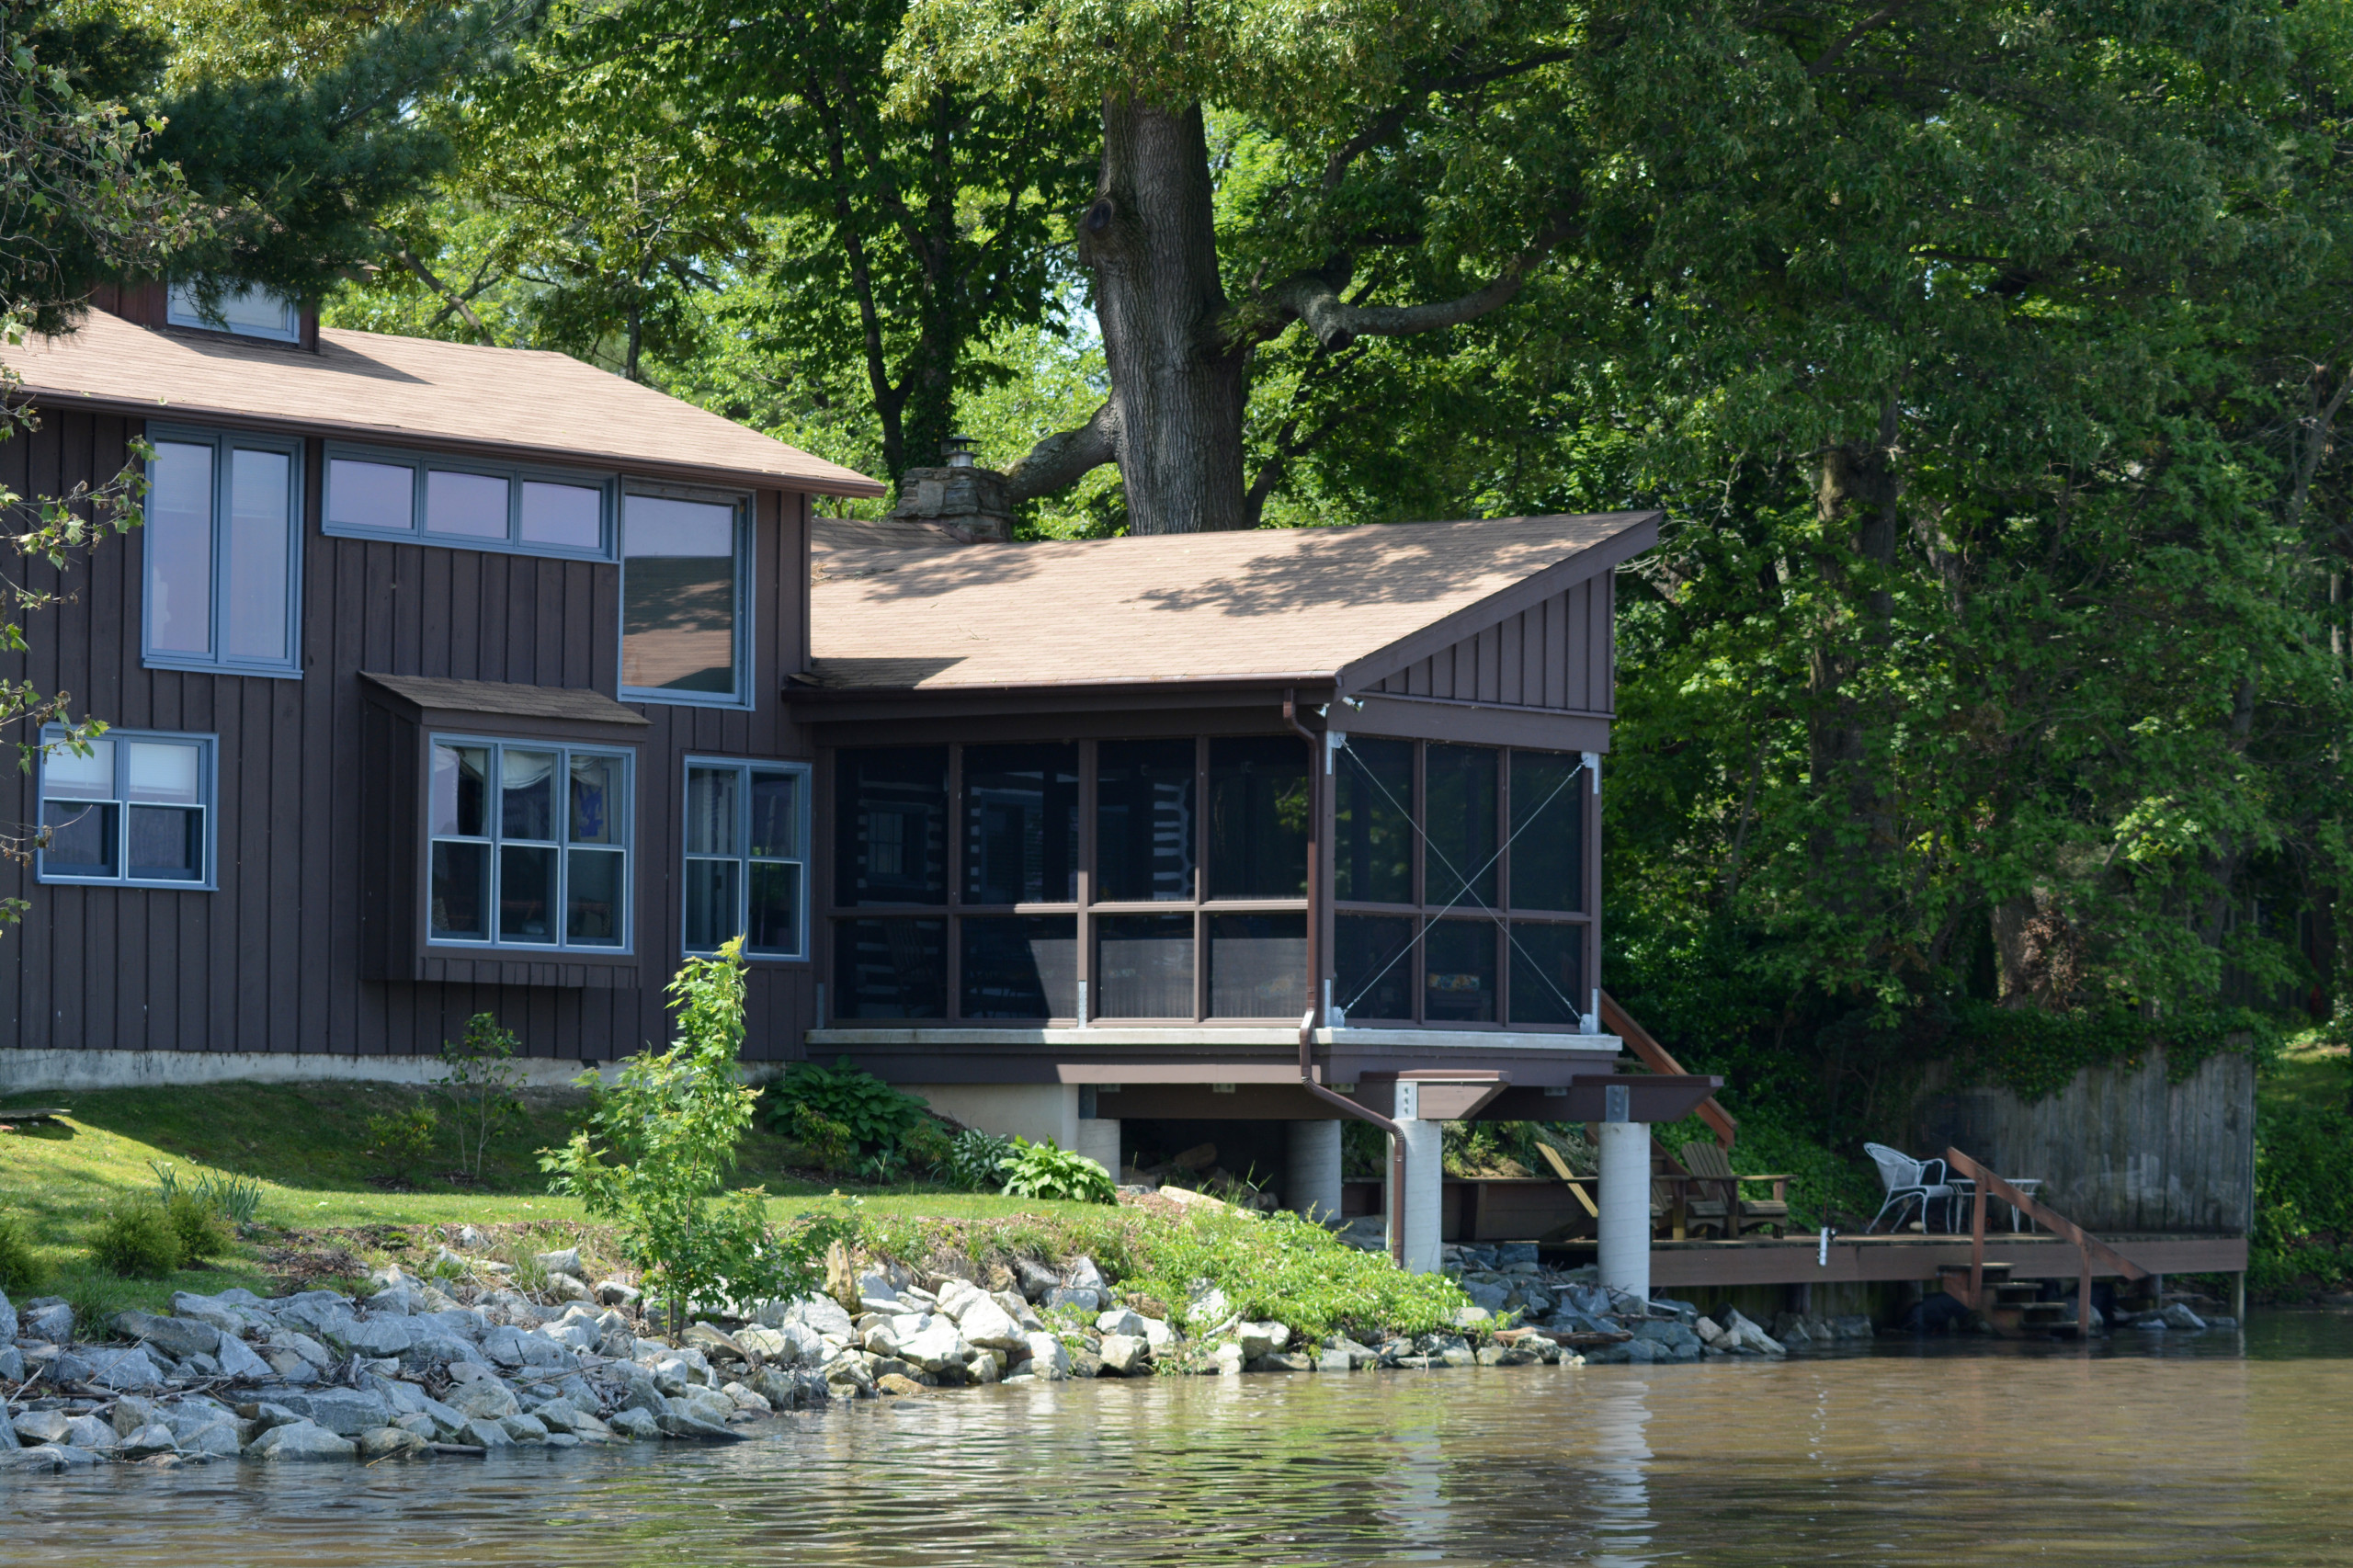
[[2014, 1307]]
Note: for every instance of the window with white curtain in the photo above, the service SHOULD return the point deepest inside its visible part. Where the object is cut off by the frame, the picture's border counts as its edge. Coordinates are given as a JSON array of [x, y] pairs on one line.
[[134, 807], [529, 845]]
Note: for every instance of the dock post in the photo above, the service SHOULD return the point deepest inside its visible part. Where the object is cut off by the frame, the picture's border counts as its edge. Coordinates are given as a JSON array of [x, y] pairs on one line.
[[2238, 1299], [1625, 1217]]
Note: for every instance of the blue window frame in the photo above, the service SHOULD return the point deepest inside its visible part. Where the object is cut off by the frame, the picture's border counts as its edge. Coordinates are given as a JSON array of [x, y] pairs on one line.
[[746, 850], [529, 845], [134, 810], [686, 596], [436, 498], [250, 312], [223, 552]]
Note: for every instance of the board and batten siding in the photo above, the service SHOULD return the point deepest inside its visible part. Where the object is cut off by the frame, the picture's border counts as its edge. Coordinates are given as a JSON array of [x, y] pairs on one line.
[[2119, 1150], [1556, 653], [271, 961]]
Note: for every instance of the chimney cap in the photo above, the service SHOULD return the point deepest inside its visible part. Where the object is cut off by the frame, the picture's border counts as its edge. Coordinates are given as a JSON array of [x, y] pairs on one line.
[[958, 450]]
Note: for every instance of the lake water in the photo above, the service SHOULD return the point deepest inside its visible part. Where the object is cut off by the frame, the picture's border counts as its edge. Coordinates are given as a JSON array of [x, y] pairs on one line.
[[2214, 1449]]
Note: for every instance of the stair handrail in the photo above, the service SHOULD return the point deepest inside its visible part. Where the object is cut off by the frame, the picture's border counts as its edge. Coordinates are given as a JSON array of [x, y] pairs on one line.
[[1656, 1057], [1984, 1184]]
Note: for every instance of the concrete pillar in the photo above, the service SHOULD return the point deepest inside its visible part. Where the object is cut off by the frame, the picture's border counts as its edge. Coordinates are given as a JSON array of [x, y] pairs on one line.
[[1311, 1170], [1625, 1247], [1424, 1173], [1098, 1140]]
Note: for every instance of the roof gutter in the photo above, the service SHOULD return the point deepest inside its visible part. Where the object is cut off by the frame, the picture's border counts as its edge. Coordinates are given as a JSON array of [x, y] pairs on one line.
[[1307, 1024]]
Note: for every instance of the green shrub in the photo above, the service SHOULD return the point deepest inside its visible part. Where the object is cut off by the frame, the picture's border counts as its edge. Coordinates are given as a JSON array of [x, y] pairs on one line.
[[21, 1271], [199, 1228], [658, 1146], [399, 1142], [926, 1144], [479, 1079], [874, 1115], [976, 1160], [1048, 1170], [136, 1239], [95, 1298], [826, 1143]]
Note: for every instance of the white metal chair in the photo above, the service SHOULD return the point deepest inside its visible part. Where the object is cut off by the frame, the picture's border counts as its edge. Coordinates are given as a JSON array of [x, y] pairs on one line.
[[1909, 1181]]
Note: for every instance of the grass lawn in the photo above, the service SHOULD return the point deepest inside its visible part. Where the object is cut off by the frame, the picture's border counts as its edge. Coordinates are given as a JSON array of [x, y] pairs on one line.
[[306, 1145]]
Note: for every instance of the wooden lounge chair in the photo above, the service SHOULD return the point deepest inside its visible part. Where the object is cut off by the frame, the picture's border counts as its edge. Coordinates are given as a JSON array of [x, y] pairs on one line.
[[1691, 1205], [1705, 1160]]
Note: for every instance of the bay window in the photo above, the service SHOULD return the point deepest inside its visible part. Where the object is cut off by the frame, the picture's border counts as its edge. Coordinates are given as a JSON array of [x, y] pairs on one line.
[[529, 845]]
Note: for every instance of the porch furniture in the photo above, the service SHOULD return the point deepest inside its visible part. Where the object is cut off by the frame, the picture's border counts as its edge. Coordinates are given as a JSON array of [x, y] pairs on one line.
[[1911, 1183], [2032, 1188], [1689, 1204], [1705, 1159]]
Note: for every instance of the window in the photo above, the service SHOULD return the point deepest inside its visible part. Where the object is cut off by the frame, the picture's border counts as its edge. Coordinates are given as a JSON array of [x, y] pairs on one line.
[[250, 312], [1257, 817], [889, 826], [135, 810], [684, 612], [223, 557], [529, 845], [373, 492], [1459, 873], [1021, 824], [1143, 821], [747, 829]]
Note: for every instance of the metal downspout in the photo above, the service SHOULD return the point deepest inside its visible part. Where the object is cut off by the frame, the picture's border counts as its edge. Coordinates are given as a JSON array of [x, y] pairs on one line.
[[1317, 753]]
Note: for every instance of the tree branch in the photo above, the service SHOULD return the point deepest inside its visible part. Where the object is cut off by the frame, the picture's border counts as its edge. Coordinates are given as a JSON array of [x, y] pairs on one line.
[[1057, 462], [1314, 300], [1855, 34], [449, 297]]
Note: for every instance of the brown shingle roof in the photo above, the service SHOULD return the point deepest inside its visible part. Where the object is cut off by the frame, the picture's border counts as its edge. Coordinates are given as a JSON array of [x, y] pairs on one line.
[[1271, 604], [415, 390], [506, 698]]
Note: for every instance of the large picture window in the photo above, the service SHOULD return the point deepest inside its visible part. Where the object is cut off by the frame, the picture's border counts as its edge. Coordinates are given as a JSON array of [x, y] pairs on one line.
[[381, 492], [223, 552], [529, 845], [685, 614], [747, 827], [135, 809]]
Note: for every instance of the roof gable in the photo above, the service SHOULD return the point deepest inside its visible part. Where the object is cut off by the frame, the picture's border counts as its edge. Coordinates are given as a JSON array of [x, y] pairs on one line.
[[414, 391], [1346, 603]]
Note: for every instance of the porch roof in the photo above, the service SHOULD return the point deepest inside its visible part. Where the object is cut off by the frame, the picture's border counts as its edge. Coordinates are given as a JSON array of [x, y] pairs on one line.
[[907, 608], [414, 391]]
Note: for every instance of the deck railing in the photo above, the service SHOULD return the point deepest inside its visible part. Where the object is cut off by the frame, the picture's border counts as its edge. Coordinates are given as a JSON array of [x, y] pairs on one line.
[[1986, 1184]]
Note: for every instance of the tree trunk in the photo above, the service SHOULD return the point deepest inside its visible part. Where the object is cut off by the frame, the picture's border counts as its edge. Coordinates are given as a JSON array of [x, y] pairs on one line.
[[1857, 488], [1150, 241]]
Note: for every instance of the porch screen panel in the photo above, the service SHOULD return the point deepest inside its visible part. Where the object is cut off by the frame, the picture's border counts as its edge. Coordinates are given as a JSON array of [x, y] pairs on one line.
[[1547, 972], [1458, 971], [890, 968], [1462, 812], [1144, 966], [1372, 807], [1374, 966], [1144, 827], [1548, 831], [1257, 966], [1021, 824], [1019, 966], [891, 826], [1257, 817]]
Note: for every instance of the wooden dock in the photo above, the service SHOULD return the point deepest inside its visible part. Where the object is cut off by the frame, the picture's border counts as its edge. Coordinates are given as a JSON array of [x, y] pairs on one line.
[[1867, 1259]]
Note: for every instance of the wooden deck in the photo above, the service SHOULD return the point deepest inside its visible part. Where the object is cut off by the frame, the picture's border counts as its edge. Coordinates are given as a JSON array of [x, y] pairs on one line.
[[1800, 1259]]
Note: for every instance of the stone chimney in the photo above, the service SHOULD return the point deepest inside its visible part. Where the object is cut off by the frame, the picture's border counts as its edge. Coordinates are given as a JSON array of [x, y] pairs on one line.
[[967, 500]]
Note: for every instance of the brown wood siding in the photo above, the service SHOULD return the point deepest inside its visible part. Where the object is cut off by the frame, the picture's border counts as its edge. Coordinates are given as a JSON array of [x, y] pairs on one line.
[[1553, 655], [277, 958]]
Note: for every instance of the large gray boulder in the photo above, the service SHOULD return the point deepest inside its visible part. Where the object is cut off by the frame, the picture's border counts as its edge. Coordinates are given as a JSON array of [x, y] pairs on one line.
[[566, 1261], [346, 1412], [987, 1324], [1048, 1359], [635, 1425], [46, 1318], [8, 1319], [1120, 1319], [36, 1427], [49, 1458], [1258, 1339], [301, 1441], [129, 1371], [376, 1338], [238, 1362], [1123, 1353], [389, 1442], [231, 1312], [174, 1337], [485, 1399]]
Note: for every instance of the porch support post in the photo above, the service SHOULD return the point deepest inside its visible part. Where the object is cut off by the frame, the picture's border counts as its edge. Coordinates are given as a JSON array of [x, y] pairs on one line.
[[1098, 1140], [1625, 1219], [1311, 1170], [1424, 1174]]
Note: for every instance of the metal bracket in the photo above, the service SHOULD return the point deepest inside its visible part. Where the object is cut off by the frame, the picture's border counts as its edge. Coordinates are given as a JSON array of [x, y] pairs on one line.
[[1592, 769], [1333, 741], [1409, 1101], [1616, 1103]]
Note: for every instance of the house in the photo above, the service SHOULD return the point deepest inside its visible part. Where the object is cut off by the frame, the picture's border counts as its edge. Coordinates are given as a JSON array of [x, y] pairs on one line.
[[450, 680]]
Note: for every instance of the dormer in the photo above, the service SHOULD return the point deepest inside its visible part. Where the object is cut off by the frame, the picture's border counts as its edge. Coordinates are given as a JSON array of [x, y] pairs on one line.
[[250, 313]]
